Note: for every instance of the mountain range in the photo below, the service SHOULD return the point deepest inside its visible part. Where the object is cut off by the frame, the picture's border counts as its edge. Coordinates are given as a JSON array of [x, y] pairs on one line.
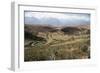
[[51, 21]]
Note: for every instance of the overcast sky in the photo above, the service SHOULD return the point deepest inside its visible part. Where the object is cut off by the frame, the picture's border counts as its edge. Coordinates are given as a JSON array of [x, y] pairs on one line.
[[56, 19]]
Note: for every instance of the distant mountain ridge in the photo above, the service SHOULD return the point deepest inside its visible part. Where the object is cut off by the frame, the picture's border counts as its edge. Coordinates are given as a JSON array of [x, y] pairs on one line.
[[67, 29], [54, 21]]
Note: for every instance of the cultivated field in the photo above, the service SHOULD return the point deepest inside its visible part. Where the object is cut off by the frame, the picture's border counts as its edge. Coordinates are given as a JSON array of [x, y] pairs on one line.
[[56, 43]]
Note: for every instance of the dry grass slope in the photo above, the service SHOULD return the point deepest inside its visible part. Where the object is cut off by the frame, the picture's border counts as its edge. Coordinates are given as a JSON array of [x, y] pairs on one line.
[[66, 43]]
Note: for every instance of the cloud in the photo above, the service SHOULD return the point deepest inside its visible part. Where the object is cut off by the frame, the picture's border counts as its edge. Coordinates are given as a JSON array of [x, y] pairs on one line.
[[56, 18]]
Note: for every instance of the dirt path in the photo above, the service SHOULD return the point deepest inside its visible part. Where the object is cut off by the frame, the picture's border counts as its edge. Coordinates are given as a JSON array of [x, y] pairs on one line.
[[69, 42]]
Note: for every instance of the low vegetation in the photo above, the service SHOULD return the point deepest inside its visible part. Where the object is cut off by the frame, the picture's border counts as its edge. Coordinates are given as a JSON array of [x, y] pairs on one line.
[[56, 44]]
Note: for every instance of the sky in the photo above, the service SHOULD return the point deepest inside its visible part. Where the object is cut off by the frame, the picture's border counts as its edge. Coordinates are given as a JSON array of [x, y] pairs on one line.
[[56, 19]]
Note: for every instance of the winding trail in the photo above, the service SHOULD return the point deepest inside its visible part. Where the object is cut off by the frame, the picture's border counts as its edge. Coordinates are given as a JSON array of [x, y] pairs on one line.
[[69, 42]]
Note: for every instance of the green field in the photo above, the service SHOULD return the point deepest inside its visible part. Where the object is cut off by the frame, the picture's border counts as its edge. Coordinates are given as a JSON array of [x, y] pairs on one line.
[[56, 45]]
